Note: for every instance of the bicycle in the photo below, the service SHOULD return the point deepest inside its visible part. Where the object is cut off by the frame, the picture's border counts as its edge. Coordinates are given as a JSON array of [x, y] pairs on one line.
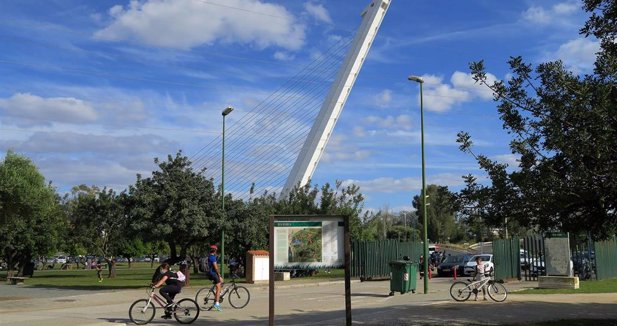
[[239, 296], [142, 311], [462, 290]]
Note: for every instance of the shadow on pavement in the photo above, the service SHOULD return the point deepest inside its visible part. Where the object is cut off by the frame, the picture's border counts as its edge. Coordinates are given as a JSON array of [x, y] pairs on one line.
[[466, 313]]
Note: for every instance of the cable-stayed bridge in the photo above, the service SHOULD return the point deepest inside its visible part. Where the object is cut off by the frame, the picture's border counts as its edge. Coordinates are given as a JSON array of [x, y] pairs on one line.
[[277, 144]]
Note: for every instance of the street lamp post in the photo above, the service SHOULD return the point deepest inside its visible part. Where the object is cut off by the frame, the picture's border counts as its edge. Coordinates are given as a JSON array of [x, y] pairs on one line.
[[424, 204], [224, 113]]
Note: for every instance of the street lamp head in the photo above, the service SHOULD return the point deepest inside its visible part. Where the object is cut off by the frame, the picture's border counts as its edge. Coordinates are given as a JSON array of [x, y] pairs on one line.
[[416, 79], [227, 110]]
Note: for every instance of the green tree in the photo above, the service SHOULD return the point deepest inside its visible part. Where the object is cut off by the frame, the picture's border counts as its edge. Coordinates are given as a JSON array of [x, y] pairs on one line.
[[176, 205], [344, 200], [564, 129], [440, 212], [31, 221]]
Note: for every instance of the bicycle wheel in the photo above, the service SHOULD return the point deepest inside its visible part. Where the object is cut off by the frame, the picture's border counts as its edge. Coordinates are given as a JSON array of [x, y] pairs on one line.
[[239, 297], [141, 312], [186, 311], [460, 291], [497, 292], [204, 298]]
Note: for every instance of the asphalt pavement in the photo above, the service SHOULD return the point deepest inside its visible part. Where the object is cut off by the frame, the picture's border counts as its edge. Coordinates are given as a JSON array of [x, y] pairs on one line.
[[307, 303]]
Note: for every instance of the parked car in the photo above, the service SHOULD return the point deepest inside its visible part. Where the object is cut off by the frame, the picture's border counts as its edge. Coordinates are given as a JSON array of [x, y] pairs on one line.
[[470, 267], [446, 268], [61, 259]]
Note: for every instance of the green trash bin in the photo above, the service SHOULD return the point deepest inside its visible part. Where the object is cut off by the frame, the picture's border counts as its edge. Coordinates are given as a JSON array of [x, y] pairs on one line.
[[403, 275]]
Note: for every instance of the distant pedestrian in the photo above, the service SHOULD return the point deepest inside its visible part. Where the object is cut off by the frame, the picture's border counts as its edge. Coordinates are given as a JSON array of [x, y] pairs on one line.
[[99, 272]]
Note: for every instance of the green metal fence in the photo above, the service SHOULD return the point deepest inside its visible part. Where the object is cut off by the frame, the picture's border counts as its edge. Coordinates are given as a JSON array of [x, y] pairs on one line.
[[606, 259], [369, 259], [506, 258]]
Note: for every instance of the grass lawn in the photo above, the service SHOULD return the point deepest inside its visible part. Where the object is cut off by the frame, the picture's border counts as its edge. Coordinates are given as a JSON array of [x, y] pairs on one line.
[[603, 286], [138, 276]]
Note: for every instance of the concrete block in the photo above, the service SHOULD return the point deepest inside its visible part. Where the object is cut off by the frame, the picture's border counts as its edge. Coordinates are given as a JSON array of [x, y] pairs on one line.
[[558, 282], [282, 276]]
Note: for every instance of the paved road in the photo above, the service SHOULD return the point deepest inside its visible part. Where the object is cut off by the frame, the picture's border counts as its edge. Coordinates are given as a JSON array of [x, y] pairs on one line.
[[302, 304]]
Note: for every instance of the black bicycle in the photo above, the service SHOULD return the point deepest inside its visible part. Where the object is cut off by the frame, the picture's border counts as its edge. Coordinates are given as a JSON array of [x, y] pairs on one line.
[[239, 296]]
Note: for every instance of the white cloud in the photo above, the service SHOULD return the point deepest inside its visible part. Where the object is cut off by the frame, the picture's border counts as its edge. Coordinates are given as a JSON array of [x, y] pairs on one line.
[[32, 110], [393, 185], [566, 8], [464, 81], [441, 97], [512, 160], [402, 121], [89, 170], [383, 99], [283, 56], [577, 55], [184, 24], [554, 15], [537, 15], [359, 131], [72, 142], [318, 12], [340, 149]]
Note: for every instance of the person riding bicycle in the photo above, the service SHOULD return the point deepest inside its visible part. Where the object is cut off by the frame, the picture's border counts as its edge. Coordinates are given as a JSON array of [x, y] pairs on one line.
[[480, 276], [215, 275], [173, 285]]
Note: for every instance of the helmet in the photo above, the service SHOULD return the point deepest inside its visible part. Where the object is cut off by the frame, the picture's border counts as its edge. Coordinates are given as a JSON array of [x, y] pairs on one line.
[[214, 247]]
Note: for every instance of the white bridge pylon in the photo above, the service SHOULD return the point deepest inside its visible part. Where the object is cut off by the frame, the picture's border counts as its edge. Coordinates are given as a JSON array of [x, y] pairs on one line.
[[318, 137]]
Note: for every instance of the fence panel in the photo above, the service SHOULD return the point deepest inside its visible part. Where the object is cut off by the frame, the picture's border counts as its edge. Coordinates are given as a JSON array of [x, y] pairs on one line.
[[369, 259], [532, 259], [506, 253], [606, 259]]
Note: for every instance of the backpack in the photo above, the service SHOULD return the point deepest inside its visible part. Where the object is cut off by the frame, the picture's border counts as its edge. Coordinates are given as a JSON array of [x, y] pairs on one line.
[[204, 265], [181, 278]]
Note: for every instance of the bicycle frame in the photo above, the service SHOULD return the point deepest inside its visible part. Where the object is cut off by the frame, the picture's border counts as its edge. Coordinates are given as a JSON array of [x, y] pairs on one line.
[[479, 284], [153, 296], [224, 288]]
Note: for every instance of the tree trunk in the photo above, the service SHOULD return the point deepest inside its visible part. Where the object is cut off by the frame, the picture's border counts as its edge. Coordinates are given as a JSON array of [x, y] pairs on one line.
[[111, 266], [23, 262], [130, 260], [195, 260]]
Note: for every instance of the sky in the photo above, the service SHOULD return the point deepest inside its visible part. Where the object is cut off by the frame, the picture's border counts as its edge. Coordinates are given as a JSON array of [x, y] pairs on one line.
[[92, 91]]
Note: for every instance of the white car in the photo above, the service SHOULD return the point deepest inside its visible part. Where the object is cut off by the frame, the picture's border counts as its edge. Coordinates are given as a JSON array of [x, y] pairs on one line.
[[61, 259], [487, 259]]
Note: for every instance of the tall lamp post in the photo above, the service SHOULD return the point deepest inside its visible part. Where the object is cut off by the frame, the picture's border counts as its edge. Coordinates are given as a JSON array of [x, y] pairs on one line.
[[224, 113], [419, 80]]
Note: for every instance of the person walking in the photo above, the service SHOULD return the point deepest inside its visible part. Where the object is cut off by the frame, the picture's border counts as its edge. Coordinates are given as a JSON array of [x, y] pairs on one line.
[[215, 276], [99, 272]]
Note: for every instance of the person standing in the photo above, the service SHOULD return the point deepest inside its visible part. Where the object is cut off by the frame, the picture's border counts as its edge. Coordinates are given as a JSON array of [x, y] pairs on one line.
[[215, 276], [480, 276], [99, 272]]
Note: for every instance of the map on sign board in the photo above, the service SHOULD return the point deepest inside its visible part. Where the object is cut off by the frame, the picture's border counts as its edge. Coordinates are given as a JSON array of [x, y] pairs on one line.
[[312, 242]]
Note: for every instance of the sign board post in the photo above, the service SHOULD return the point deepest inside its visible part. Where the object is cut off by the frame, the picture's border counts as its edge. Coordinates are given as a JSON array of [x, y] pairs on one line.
[[309, 242]]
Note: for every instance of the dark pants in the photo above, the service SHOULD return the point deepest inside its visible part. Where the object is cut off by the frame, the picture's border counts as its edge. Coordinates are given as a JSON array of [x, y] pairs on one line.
[[169, 292]]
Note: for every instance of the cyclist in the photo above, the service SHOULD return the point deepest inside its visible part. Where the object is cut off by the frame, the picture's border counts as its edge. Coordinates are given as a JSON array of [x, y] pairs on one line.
[[215, 275], [173, 285], [480, 276]]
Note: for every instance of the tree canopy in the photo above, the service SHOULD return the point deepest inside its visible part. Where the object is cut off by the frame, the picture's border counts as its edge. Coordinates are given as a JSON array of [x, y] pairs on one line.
[[31, 220], [564, 129]]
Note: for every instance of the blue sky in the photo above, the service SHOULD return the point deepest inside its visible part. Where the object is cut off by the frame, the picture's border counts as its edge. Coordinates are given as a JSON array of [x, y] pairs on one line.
[[93, 90]]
